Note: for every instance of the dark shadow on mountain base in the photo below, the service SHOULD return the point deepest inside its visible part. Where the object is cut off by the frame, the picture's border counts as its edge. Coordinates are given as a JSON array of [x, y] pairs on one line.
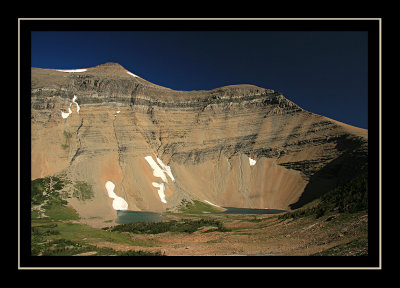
[[349, 165]]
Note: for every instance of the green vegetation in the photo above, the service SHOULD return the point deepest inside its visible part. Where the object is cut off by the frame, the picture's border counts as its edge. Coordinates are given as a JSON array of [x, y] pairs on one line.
[[358, 247], [57, 235], [350, 197], [60, 238], [38, 190], [184, 226], [43, 189], [255, 219], [46, 193], [67, 136], [47, 196], [64, 247], [58, 211], [77, 231], [197, 207], [82, 191], [54, 235]]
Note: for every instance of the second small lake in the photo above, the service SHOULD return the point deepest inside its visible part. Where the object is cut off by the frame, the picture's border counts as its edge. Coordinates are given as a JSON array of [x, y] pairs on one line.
[[234, 210], [124, 217]]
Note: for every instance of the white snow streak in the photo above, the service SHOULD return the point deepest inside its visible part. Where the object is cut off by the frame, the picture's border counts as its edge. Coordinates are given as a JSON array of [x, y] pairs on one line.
[[160, 172], [119, 203], [130, 73], [65, 115], [166, 169], [73, 70], [77, 106], [212, 204], [157, 171], [161, 188]]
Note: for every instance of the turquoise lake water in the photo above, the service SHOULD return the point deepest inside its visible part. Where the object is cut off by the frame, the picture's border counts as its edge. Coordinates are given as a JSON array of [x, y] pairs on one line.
[[234, 210], [124, 217]]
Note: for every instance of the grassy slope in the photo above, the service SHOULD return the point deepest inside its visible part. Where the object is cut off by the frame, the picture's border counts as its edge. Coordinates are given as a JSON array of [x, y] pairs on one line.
[[350, 198], [198, 207], [58, 234]]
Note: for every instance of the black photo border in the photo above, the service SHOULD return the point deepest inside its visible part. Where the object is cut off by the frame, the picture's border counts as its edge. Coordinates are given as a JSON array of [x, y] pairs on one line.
[[371, 25]]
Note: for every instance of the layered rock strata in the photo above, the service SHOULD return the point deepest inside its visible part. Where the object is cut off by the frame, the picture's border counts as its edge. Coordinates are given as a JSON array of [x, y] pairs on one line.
[[207, 140]]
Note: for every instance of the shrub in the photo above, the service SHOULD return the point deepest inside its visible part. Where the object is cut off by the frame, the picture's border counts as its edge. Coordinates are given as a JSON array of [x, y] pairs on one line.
[[185, 226], [45, 188], [67, 134], [64, 247], [56, 210], [196, 207], [350, 197], [38, 189], [82, 191]]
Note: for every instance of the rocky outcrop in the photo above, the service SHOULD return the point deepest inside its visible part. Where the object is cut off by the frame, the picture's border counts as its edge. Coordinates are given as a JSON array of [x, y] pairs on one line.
[[205, 137]]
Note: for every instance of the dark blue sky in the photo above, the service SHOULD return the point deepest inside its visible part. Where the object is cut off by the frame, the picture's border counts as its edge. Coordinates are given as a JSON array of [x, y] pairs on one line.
[[323, 72]]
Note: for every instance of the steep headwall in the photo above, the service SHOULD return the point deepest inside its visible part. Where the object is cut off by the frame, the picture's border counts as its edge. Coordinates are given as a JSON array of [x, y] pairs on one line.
[[206, 138]]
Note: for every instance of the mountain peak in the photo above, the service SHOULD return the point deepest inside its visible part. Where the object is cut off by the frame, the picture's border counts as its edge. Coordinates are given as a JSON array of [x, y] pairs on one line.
[[114, 68], [110, 64]]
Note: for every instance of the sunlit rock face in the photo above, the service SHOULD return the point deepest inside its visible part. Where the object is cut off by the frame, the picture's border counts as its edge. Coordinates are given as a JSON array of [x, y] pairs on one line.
[[236, 146]]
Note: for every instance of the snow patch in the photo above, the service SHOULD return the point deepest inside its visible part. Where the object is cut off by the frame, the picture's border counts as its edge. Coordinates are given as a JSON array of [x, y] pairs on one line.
[[166, 169], [157, 171], [252, 161], [130, 73], [212, 204], [73, 70], [119, 203], [160, 172], [161, 188], [65, 115], [77, 105]]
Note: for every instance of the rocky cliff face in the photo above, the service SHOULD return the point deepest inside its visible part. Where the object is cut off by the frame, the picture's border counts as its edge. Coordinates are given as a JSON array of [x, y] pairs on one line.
[[239, 145]]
